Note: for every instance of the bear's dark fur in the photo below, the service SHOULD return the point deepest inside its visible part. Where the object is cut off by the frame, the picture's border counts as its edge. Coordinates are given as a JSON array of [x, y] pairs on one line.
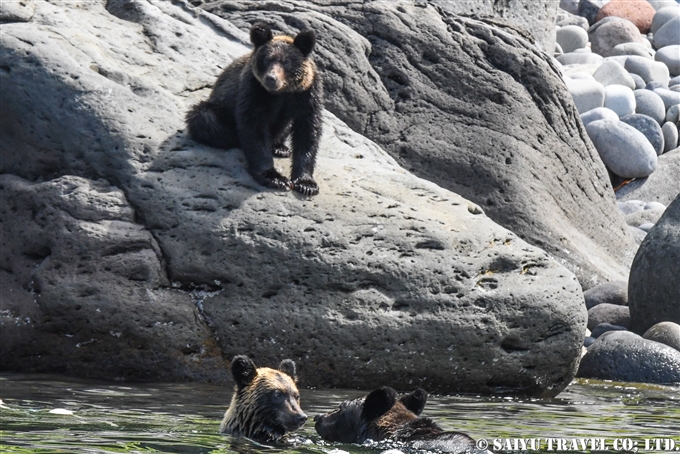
[[265, 405], [259, 101], [381, 416]]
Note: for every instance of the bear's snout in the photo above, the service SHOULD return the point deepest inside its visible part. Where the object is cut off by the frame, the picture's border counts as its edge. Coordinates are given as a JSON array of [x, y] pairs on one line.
[[301, 418], [274, 78]]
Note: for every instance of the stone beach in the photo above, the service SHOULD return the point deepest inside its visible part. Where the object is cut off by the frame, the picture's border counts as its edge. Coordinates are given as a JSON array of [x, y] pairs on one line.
[[499, 208]]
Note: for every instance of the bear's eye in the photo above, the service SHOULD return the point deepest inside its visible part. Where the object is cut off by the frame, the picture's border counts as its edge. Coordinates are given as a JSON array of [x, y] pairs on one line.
[[278, 394]]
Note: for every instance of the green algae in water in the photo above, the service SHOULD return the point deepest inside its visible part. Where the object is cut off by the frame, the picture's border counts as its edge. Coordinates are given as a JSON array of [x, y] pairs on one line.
[[99, 417]]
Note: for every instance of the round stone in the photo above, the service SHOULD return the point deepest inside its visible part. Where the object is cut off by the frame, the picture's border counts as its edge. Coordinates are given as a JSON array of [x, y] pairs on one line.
[[674, 81], [659, 4], [664, 15], [668, 34], [623, 149], [620, 99], [587, 94], [580, 58], [649, 103], [649, 70], [670, 136], [673, 114], [646, 227], [608, 313], [639, 81], [625, 356], [602, 328], [610, 32], [571, 37], [639, 12], [612, 73], [614, 292], [669, 97], [649, 127], [628, 207], [570, 6], [670, 56], [667, 333], [598, 113], [632, 49]]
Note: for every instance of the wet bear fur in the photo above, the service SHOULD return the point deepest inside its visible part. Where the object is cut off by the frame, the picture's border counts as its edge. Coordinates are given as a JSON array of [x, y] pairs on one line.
[[265, 405], [262, 99], [380, 416]]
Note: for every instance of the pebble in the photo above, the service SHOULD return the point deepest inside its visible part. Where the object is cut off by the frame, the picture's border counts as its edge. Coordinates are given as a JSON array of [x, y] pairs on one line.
[[669, 97], [668, 34], [670, 136], [646, 227], [639, 12], [566, 18], [655, 206], [620, 99], [571, 37], [606, 327], [640, 218], [588, 341], [632, 49], [598, 113], [639, 81], [667, 333], [673, 114], [649, 103], [674, 81], [649, 70], [612, 73], [580, 58], [649, 127], [670, 56], [587, 94], [610, 32], [664, 15], [614, 292], [608, 313], [623, 149]]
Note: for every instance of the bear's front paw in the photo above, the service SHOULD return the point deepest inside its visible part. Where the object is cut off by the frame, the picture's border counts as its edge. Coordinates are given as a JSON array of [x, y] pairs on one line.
[[281, 151], [273, 179], [305, 186]]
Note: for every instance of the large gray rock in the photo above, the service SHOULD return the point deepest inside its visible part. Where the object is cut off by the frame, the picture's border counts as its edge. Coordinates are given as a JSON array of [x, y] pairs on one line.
[[181, 253], [625, 356], [608, 313], [608, 33], [668, 333], [472, 108], [653, 287], [608, 292], [661, 186]]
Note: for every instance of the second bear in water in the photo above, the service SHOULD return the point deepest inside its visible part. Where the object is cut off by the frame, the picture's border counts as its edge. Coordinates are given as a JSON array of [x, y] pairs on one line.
[[259, 101]]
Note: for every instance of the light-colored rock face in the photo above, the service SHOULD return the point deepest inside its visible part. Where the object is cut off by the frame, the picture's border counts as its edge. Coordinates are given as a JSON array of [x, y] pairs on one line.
[[186, 256]]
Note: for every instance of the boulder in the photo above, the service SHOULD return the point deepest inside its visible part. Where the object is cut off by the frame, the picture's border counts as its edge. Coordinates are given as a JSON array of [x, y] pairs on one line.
[[587, 94], [670, 136], [599, 113], [623, 149], [625, 356], [615, 292], [663, 15], [639, 12], [670, 56], [612, 73], [653, 288], [399, 93], [668, 333], [661, 186], [602, 328], [649, 103], [667, 34], [649, 128], [138, 254], [571, 37], [620, 99]]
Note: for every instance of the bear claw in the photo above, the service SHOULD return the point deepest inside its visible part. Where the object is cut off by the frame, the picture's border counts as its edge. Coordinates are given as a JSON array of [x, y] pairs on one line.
[[273, 179], [281, 151], [305, 186]]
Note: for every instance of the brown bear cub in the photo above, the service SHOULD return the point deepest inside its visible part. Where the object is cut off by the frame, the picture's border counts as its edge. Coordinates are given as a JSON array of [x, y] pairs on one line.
[[380, 416], [265, 405], [262, 99]]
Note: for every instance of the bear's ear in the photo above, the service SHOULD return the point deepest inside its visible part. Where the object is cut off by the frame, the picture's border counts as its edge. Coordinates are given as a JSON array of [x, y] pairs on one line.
[[378, 403], [305, 41], [260, 33], [287, 366], [415, 401], [244, 370]]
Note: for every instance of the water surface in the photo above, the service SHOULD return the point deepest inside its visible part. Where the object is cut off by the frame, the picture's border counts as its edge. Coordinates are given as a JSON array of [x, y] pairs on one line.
[[49, 414]]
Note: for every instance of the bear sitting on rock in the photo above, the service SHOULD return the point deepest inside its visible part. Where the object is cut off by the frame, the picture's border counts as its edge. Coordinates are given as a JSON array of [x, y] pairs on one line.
[[262, 99], [380, 416], [265, 405]]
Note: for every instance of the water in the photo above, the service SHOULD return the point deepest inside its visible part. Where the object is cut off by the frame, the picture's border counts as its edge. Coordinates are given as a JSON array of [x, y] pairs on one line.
[[185, 418]]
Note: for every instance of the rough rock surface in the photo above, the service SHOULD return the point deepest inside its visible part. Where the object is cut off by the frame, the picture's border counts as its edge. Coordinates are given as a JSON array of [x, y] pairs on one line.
[[608, 292], [653, 287], [667, 333], [625, 356], [608, 313], [506, 135], [150, 241]]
